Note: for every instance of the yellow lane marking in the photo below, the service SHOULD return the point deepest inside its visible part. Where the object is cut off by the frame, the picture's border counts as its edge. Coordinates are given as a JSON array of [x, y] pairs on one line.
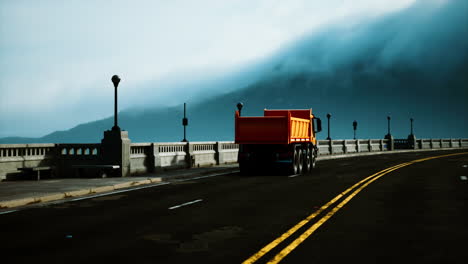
[[322, 220], [291, 231], [314, 227]]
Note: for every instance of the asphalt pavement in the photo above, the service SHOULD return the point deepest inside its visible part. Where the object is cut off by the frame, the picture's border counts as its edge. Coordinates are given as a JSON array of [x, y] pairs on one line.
[[405, 212], [14, 194]]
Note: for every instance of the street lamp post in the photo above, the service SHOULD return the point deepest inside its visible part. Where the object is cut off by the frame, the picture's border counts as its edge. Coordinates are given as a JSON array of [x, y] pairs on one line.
[[115, 80], [328, 117], [388, 119], [411, 119], [115, 146], [412, 144], [391, 142], [185, 123], [354, 128]]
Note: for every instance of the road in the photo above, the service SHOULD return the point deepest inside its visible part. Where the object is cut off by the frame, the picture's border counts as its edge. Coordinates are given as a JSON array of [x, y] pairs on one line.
[[412, 214]]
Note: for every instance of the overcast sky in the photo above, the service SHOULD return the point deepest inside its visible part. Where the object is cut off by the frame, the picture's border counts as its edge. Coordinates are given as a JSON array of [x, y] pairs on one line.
[[57, 57]]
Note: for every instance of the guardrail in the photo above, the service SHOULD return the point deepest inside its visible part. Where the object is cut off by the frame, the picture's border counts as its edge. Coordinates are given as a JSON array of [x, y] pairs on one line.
[[153, 157]]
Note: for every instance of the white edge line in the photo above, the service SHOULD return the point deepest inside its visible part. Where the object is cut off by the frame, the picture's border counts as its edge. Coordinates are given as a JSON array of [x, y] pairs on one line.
[[115, 192], [295, 175], [7, 212], [150, 186], [184, 204], [119, 191], [202, 177]]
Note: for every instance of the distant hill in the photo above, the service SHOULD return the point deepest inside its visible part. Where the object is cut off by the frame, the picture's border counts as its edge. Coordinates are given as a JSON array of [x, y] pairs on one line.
[[413, 63]]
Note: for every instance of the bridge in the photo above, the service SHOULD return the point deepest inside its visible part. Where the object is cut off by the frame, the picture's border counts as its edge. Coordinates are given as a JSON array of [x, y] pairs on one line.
[[374, 200], [375, 205], [70, 160]]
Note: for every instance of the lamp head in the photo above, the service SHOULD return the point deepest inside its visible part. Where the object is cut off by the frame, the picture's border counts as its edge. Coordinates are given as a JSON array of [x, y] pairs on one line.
[[115, 80], [239, 106]]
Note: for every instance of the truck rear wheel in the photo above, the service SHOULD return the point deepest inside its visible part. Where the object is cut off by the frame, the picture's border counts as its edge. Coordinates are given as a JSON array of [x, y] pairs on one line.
[[293, 167], [307, 159], [299, 160]]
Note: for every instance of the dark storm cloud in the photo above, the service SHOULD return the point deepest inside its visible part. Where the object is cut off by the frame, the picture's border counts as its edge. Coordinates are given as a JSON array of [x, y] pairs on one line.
[[429, 35]]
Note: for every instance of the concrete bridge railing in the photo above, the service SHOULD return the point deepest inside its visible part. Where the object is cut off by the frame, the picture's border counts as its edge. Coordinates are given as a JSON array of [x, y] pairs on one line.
[[14, 156], [333, 147], [150, 157], [154, 157]]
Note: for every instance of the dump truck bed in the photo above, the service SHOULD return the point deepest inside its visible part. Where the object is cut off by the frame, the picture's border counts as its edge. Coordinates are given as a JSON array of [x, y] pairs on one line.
[[275, 127]]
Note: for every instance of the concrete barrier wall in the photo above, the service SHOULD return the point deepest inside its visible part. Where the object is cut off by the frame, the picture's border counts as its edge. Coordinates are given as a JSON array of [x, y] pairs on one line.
[[153, 157]]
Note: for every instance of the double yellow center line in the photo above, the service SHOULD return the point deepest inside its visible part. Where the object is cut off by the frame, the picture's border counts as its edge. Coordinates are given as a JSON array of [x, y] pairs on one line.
[[353, 190]]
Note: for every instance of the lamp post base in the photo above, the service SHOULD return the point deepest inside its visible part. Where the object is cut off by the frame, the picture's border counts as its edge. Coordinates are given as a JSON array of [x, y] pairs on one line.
[[412, 141], [115, 150], [391, 143]]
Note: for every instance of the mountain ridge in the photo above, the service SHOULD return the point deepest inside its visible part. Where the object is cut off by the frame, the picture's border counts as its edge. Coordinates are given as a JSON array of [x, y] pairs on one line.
[[394, 65]]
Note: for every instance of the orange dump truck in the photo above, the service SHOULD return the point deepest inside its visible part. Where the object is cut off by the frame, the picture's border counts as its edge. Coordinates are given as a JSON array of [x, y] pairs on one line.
[[280, 137]]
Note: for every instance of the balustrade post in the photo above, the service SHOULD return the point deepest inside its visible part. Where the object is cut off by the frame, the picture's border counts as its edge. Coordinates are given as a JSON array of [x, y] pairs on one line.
[[151, 156], [358, 146], [330, 146], [218, 153], [156, 156], [189, 156]]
